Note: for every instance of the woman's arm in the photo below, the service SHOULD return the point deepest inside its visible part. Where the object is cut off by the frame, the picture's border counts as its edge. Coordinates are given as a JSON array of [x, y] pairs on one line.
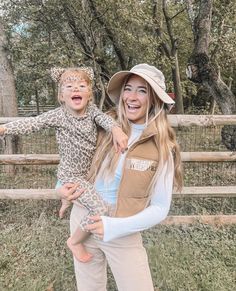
[[157, 211]]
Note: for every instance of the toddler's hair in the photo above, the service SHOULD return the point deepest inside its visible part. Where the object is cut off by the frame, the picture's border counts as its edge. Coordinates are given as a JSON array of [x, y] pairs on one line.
[[57, 72], [61, 75]]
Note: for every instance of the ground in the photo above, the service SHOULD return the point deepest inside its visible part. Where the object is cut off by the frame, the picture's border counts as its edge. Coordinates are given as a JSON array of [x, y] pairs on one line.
[[33, 253]]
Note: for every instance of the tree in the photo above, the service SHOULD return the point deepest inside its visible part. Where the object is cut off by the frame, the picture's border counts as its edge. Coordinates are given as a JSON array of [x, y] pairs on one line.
[[108, 35], [8, 103], [202, 71], [169, 46]]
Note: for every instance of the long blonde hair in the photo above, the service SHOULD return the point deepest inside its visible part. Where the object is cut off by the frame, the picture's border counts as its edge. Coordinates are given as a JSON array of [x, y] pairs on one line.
[[105, 160]]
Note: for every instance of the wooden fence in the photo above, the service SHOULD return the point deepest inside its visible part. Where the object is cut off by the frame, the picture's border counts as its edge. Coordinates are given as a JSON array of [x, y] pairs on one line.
[[175, 120], [31, 110]]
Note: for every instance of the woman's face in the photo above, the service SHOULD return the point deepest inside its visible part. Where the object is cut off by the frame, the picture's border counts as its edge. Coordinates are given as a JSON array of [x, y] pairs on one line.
[[136, 99]]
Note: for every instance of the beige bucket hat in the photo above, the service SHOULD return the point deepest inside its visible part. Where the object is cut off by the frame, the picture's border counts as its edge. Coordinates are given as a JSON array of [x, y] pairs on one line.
[[151, 74]]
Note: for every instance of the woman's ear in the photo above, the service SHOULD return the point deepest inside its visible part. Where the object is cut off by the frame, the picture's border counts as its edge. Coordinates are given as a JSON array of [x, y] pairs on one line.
[[151, 102]]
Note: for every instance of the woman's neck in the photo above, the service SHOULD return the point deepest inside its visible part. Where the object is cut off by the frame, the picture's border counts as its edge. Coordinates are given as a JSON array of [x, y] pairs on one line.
[[137, 126]]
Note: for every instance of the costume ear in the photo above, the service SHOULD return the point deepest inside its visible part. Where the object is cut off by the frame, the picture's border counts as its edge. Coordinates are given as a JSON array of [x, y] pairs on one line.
[[88, 71], [56, 73]]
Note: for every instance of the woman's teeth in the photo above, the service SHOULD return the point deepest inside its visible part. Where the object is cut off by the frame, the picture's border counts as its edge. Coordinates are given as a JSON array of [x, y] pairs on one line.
[[132, 107]]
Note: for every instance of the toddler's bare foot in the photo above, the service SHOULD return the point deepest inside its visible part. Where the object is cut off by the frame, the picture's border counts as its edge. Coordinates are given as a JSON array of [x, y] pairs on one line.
[[64, 206], [79, 251]]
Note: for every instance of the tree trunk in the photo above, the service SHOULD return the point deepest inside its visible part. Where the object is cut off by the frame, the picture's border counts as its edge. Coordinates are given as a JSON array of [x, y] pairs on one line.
[[8, 102], [177, 87], [37, 101], [200, 70], [170, 48]]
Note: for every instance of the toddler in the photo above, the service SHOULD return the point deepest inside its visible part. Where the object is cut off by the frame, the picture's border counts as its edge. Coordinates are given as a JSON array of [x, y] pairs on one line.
[[75, 123]]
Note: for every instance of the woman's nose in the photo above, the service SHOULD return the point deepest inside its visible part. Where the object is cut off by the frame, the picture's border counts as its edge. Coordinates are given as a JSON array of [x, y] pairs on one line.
[[132, 94]]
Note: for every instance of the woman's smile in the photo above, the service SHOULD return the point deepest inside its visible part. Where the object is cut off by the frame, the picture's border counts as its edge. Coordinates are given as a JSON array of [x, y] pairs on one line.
[[133, 107]]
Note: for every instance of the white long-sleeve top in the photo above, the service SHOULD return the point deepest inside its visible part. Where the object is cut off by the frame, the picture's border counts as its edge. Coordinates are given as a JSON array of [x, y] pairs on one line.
[[156, 211]]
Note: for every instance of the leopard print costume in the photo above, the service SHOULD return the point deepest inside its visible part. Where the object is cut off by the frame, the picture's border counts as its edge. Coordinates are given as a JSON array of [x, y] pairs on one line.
[[76, 138]]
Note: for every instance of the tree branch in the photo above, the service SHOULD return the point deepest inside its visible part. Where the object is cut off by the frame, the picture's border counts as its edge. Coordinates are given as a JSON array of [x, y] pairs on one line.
[[171, 18], [109, 33], [78, 33]]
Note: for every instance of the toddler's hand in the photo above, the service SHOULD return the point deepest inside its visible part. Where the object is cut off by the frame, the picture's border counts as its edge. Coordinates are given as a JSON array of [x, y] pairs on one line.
[[2, 130], [69, 191], [120, 139]]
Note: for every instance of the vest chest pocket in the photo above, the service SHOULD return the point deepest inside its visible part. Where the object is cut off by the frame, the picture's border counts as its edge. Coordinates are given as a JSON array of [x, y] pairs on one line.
[[138, 175]]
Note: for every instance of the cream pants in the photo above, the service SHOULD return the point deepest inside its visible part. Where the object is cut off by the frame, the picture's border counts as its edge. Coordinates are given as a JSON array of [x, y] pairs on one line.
[[126, 257]]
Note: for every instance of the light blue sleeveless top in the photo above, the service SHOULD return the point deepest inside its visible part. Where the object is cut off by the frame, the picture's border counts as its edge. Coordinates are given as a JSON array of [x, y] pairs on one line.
[[108, 189]]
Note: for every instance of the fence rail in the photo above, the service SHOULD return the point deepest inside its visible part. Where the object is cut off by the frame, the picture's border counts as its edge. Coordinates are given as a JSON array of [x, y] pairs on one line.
[[33, 109], [193, 192], [176, 121], [52, 159]]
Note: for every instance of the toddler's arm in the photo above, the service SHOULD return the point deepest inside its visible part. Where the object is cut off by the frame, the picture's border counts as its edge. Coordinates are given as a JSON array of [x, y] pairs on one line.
[[31, 124], [120, 139]]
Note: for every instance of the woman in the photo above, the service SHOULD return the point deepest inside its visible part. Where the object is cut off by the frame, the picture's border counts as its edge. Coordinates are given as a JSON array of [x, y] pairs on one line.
[[137, 185]]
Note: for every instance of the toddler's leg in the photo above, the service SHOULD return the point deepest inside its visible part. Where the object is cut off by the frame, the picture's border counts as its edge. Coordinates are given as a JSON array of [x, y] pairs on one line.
[[64, 205], [93, 202], [78, 250]]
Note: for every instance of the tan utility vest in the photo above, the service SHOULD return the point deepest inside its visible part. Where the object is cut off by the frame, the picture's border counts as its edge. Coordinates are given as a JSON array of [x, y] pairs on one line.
[[139, 169]]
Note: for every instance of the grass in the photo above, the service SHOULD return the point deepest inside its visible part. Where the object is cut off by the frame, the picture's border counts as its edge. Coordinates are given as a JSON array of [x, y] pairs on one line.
[[33, 252], [193, 258], [34, 256]]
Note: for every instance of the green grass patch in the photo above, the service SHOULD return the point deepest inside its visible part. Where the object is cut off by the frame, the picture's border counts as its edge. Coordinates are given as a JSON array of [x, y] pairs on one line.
[[33, 254], [192, 258]]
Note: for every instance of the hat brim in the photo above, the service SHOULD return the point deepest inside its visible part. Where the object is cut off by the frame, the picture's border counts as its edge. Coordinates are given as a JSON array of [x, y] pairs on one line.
[[117, 80]]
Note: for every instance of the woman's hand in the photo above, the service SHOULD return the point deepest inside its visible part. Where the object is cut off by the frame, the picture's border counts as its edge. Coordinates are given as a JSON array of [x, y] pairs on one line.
[[69, 191], [96, 227]]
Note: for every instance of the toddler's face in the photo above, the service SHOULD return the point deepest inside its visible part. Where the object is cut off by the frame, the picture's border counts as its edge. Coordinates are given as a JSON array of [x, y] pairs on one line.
[[75, 93]]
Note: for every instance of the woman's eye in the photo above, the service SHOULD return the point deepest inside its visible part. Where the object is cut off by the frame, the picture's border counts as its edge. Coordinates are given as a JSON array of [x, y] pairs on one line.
[[142, 91], [127, 89]]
